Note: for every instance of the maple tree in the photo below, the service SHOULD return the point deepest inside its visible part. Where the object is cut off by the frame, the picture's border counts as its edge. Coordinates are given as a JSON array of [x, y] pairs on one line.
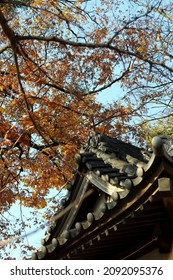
[[55, 57]]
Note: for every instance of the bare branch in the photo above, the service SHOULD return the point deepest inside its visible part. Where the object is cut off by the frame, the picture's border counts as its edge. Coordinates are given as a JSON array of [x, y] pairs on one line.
[[57, 217], [156, 9]]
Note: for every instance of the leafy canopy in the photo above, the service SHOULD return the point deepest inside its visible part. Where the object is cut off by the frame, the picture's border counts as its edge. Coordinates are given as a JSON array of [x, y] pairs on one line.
[[55, 57]]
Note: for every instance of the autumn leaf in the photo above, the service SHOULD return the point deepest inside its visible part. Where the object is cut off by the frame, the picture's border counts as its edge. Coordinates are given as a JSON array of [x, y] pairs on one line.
[[56, 57]]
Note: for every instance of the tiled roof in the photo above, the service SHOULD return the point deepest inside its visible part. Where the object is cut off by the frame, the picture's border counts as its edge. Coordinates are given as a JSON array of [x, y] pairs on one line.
[[115, 198]]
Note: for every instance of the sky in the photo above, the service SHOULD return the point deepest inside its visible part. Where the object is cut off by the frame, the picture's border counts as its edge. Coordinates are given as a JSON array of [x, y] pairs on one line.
[[34, 233], [111, 94]]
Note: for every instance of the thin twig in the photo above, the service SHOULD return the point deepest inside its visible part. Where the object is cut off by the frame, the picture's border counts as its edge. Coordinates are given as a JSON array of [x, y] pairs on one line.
[[4, 243]]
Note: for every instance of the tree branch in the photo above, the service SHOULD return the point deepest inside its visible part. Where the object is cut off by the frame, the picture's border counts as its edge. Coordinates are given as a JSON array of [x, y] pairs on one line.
[[93, 46], [7, 30], [156, 9]]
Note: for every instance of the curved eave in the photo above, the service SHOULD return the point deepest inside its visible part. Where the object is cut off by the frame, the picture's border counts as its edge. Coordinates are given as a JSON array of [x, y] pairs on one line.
[[126, 201], [100, 223]]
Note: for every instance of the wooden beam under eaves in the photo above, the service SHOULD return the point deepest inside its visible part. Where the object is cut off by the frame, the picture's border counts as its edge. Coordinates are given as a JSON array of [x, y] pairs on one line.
[[166, 187], [166, 191]]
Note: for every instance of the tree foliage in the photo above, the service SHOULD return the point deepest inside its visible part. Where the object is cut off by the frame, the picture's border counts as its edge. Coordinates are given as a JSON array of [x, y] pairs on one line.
[[56, 56], [160, 127]]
